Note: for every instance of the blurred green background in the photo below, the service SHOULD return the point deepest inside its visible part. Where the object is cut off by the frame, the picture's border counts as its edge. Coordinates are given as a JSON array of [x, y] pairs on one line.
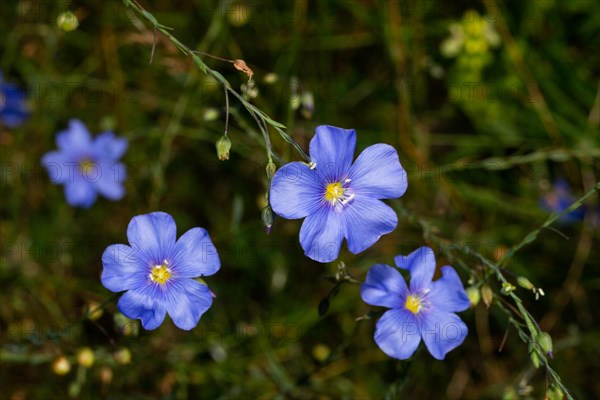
[[487, 103]]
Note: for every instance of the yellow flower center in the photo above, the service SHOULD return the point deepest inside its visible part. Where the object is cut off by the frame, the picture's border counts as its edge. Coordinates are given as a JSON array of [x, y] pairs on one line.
[[413, 304], [161, 273], [87, 166], [334, 192]]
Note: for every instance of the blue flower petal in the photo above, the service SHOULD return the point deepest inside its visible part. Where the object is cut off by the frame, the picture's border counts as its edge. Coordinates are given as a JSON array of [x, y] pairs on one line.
[[153, 235], [107, 178], [122, 269], [107, 145], [448, 293], [295, 191], [397, 333], [442, 331], [366, 219], [79, 192], [13, 109], [377, 173], [195, 255], [383, 287], [186, 303], [421, 265], [76, 140], [321, 235], [333, 150], [136, 304], [59, 166]]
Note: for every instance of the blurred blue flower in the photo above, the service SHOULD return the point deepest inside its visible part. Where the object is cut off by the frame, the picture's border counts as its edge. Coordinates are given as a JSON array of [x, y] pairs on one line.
[[338, 198], [559, 199], [426, 310], [87, 167], [13, 110], [157, 271]]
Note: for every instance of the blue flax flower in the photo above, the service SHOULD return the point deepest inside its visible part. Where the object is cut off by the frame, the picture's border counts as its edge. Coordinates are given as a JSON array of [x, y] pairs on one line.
[[87, 167], [425, 310], [13, 110], [157, 271], [338, 198], [559, 199]]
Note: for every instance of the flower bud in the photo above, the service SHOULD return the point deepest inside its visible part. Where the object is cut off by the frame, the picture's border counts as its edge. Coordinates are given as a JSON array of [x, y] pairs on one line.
[[210, 114], [525, 283], [85, 357], [535, 359], [61, 366], [507, 287], [487, 295], [545, 341], [122, 356], [321, 352], [93, 310], [270, 168], [473, 295], [267, 218], [67, 21], [223, 147]]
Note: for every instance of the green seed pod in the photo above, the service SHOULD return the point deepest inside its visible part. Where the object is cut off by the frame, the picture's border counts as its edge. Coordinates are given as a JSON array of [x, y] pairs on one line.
[[487, 295]]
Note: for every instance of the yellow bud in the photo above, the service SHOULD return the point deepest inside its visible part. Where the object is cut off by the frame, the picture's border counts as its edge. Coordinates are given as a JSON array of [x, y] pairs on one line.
[[321, 352], [122, 356], [85, 357], [61, 366], [487, 295], [474, 295], [223, 147], [92, 310]]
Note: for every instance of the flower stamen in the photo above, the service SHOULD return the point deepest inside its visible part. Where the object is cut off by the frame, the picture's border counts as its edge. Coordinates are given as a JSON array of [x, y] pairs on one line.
[[413, 304], [161, 273], [87, 166], [337, 192]]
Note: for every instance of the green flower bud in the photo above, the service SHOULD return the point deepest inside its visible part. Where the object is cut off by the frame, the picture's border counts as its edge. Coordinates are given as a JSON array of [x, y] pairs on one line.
[[223, 147], [545, 341], [210, 114], [535, 359], [67, 21], [554, 393], [270, 168], [267, 218], [525, 283]]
